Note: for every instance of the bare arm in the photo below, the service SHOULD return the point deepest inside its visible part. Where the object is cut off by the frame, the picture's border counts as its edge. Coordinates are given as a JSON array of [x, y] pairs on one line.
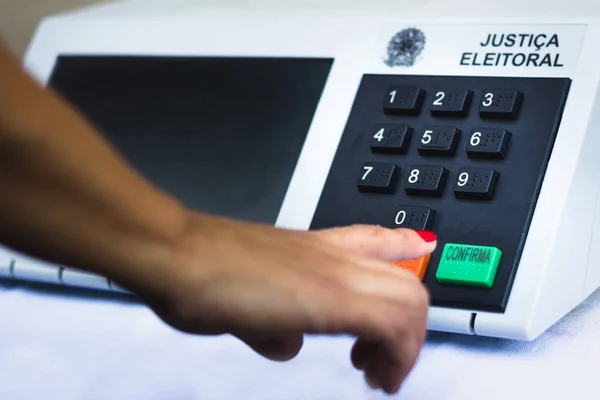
[[67, 196]]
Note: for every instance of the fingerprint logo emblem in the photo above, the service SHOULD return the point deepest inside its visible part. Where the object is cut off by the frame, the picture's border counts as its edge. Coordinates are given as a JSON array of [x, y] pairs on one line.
[[404, 48]]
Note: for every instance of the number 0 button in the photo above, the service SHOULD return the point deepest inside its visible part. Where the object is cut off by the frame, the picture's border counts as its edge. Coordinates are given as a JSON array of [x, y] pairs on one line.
[[426, 180], [476, 183], [378, 178], [418, 218]]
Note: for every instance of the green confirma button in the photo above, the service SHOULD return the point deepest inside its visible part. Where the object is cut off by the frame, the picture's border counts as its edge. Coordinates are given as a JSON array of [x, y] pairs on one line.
[[463, 264]]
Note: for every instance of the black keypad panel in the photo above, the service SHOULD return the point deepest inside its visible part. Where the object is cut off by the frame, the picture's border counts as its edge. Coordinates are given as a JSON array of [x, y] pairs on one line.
[[462, 156]]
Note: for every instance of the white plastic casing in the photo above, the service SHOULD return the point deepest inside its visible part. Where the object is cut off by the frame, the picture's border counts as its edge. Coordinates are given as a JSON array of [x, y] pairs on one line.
[[560, 264]]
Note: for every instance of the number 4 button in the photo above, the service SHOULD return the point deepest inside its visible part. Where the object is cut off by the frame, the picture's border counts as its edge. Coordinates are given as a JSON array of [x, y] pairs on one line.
[[390, 138]]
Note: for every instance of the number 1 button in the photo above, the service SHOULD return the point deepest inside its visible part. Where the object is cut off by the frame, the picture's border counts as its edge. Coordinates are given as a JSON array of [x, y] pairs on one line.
[[403, 100], [378, 178]]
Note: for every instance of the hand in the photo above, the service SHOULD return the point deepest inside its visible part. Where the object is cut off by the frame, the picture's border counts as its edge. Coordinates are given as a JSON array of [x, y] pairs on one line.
[[270, 286]]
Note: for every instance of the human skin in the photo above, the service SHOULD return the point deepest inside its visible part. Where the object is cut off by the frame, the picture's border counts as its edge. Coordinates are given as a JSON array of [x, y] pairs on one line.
[[69, 198]]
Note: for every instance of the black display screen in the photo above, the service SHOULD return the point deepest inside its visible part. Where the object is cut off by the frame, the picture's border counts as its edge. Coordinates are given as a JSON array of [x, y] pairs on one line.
[[221, 134]]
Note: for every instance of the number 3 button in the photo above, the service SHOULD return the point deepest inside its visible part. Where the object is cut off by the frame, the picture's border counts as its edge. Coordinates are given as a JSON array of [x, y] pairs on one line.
[[500, 103]]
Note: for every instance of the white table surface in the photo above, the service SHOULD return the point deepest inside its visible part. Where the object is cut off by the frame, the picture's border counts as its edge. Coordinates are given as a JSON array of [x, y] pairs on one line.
[[67, 346]]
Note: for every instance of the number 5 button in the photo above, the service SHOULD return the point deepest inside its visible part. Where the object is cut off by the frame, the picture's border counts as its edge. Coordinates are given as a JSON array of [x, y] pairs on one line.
[[439, 141], [476, 183]]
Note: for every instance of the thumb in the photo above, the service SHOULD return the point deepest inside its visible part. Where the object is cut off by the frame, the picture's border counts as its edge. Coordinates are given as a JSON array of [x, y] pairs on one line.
[[275, 348], [382, 243]]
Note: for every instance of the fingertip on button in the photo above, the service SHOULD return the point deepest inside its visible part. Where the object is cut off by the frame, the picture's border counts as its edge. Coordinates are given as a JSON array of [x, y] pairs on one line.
[[427, 236]]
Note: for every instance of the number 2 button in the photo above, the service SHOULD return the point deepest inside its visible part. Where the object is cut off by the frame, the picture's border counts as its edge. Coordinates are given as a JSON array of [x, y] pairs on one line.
[[378, 178], [451, 103]]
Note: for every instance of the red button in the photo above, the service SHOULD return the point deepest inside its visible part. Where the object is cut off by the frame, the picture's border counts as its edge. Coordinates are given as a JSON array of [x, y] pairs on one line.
[[417, 267]]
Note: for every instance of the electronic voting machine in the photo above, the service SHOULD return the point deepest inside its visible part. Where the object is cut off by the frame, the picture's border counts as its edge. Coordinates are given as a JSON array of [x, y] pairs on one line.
[[486, 132]]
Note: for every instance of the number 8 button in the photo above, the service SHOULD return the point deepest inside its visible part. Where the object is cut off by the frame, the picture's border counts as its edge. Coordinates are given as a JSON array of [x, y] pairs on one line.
[[426, 180]]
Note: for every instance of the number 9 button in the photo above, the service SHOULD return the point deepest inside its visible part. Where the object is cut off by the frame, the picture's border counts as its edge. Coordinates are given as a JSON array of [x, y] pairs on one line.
[[476, 183]]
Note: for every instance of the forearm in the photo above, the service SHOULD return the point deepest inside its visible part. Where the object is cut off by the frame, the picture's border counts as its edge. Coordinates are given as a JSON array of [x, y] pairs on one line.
[[65, 195]]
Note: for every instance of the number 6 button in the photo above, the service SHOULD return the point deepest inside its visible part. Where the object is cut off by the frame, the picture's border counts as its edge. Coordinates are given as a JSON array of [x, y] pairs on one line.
[[476, 183], [488, 143]]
